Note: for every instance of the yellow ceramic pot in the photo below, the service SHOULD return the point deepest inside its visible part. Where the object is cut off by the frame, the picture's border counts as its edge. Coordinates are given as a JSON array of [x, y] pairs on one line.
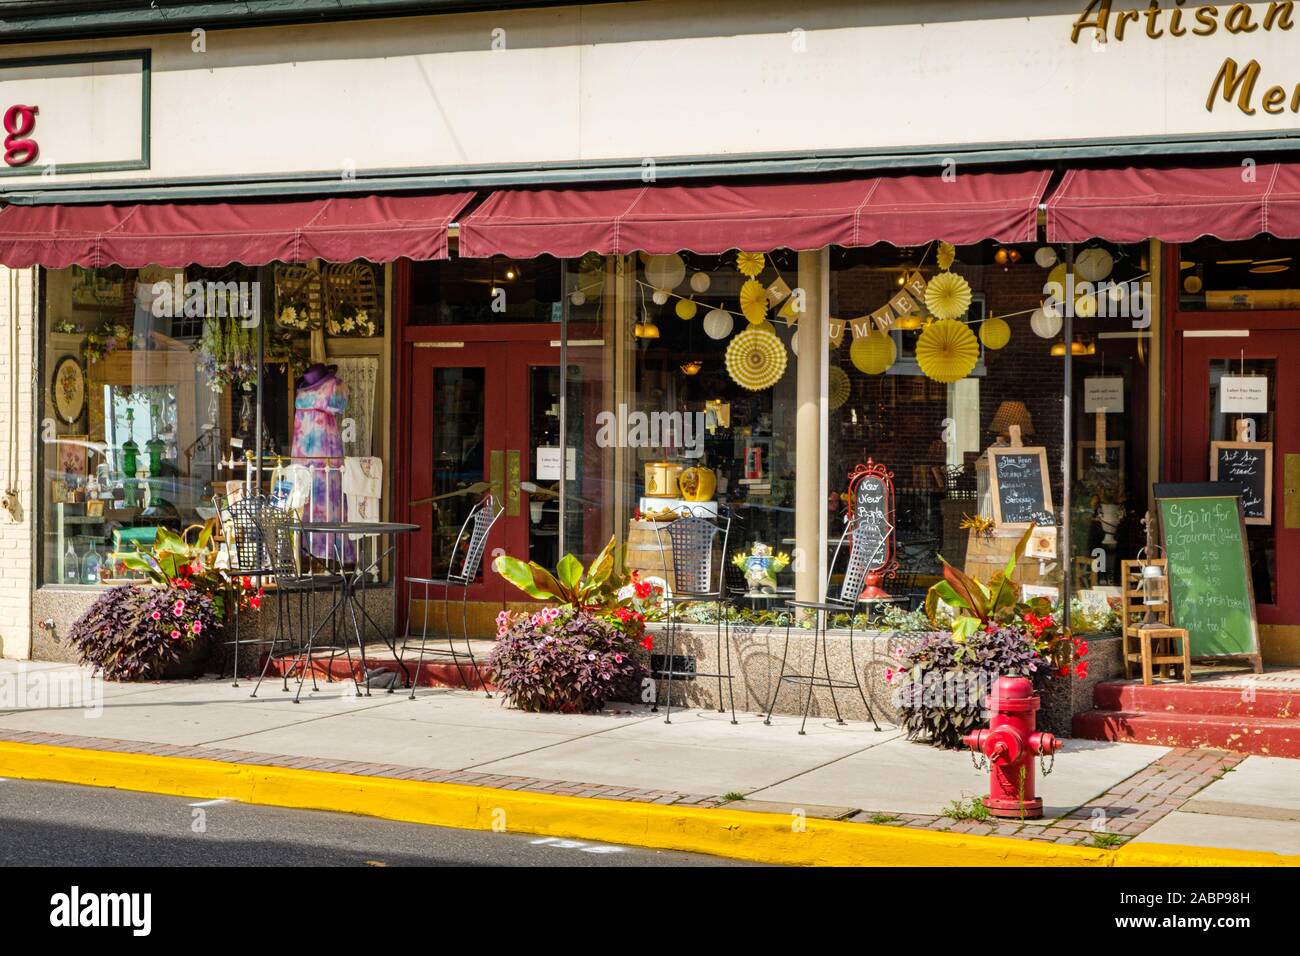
[[698, 483]]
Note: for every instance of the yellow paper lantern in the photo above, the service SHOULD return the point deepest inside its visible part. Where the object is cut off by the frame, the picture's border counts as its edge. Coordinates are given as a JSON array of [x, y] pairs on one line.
[[873, 353], [686, 309], [756, 360], [947, 351], [947, 296], [750, 263], [995, 333]]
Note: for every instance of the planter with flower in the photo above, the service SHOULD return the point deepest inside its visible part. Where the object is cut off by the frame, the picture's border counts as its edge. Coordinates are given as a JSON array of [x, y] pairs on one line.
[[581, 651], [164, 628], [940, 682]]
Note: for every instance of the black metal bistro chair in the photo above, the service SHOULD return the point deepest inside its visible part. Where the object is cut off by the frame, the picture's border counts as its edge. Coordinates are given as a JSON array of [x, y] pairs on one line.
[[246, 558], [698, 543], [849, 602], [283, 539], [462, 569]]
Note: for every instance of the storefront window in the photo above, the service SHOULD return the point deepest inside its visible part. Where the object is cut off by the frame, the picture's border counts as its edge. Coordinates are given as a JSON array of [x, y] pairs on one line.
[[485, 291], [1257, 274], [151, 405]]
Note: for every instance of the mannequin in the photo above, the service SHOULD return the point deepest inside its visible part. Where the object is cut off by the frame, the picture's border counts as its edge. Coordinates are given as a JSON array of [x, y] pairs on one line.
[[319, 401]]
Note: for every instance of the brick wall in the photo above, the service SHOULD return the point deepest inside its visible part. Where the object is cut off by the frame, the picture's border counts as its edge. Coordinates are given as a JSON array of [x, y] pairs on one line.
[[16, 538]]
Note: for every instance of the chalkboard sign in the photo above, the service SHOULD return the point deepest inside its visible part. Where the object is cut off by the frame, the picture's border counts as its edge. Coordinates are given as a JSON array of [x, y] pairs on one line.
[[1210, 592], [1248, 465], [872, 492], [1022, 493]]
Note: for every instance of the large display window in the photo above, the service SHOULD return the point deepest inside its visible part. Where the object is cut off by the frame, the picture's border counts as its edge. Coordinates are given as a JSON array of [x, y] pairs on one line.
[[163, 385]]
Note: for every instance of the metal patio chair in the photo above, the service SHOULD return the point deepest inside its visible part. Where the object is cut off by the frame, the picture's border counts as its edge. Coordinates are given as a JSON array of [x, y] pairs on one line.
[[848, 601], [698, 543], [283, 537], [246, 558], [470, 544]]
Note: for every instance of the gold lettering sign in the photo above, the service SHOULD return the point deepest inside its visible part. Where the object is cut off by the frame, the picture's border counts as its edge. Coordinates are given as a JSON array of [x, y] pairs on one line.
[[1233, 84]]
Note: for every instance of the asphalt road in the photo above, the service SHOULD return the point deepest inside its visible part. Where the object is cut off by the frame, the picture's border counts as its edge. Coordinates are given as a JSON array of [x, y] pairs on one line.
[[51, 824]]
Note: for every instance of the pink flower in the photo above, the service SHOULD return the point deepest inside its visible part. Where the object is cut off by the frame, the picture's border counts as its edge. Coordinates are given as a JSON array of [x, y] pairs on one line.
[[889, 675], [175, 635], [156, 615], [196, 627]]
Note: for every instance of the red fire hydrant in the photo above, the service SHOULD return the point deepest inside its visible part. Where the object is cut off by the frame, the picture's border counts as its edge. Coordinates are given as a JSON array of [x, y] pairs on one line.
[[1009, 745]]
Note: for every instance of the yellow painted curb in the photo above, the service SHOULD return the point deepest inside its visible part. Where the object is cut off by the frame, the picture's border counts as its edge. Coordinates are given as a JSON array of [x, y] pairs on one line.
[[739, 834]]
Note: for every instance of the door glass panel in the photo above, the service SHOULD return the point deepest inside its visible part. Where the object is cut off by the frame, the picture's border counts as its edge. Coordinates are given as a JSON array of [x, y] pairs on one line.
[[1261, 540], [458, 460], [486, 291], [544, 465]]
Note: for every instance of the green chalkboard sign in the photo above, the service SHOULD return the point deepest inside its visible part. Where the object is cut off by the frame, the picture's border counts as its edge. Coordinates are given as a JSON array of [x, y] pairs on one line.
[[1204, 538]]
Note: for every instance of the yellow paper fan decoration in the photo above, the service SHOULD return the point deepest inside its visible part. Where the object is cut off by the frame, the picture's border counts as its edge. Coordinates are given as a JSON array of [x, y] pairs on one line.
[[686, 309], [756, 360], [753, 301], [873, 353], [837, 388], [764, 326], [946, 255], [750, 263], [947, 351], [947, 296], [994, 332]]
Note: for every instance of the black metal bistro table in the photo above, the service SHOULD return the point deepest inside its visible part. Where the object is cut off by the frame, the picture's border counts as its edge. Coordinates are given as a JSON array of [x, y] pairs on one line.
[[352, 590]]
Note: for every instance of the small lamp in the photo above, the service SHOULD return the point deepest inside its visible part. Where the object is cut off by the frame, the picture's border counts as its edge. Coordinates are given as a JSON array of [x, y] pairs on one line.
[[1011, 413], [1155, 583]]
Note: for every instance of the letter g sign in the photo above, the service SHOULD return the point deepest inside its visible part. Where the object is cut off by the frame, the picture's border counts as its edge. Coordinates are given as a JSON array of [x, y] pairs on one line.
[[19, 122]]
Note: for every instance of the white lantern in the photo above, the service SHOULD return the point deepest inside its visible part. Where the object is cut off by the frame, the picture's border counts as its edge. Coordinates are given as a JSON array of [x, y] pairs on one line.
[[1093, 265], [578, 298], [660, 297], [1045, 256], [665, 272], [700, 283], [718, 324], [1046, 325]]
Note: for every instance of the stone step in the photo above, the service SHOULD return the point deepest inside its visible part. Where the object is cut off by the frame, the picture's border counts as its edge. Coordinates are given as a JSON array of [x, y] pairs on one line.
[[1270, 736]]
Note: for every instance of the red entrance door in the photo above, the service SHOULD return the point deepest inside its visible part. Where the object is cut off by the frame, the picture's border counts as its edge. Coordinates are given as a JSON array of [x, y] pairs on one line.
[[1207, 356], [482, 416]]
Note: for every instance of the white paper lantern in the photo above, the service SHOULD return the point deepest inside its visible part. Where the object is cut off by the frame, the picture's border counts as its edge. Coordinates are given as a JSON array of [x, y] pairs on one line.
[[718, 324], [578, 298], [1046, 325], [700, 282], [794, 343], [1093, 265], [1045, 256], [665, 272], [660, 297], [1117, 291]]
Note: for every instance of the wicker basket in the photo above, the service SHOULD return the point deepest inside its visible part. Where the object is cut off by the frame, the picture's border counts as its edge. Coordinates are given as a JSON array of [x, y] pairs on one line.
[[351, 299], [301, 288]]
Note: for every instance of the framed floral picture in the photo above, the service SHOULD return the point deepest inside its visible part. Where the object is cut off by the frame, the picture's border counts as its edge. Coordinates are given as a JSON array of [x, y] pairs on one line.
[[98, 288], [72, 457], [68, 390]]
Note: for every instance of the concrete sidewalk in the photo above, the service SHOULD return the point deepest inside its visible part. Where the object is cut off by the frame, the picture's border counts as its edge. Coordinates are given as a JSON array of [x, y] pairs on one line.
[[1099, 794]]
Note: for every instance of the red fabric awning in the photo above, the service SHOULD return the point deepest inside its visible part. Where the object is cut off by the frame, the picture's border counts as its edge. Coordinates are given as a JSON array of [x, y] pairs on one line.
[[378, 228], [797, 214], [1176, 204]]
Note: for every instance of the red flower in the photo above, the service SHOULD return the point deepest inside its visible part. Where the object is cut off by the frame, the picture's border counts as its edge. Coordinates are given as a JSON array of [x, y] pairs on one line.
[[1081, 670], [1080, 648], [1064, 672], [642, 589], [648, 642], [255, 602]]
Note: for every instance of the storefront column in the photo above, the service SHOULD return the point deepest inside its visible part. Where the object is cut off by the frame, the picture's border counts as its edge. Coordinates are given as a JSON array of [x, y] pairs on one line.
[[810, 391], [17, 431]]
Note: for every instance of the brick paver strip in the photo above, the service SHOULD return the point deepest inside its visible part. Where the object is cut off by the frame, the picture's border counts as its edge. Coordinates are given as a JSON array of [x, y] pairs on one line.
[[1126, 809]]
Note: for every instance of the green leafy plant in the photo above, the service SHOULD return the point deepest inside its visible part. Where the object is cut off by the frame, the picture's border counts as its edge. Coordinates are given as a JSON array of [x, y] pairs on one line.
[[733, 795], [976, 604], [883, 818], [175, 562], [1108, 841], [593, 588]]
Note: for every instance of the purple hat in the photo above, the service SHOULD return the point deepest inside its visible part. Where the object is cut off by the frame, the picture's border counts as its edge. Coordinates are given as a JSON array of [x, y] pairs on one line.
[[316, 374]]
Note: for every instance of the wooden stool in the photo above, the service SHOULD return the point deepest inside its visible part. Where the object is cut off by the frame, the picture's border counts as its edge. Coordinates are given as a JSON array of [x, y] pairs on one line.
[[1158, 648]]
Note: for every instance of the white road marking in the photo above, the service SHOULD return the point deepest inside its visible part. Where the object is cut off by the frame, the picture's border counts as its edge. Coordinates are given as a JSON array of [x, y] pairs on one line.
[[560, 844], [211, 803]]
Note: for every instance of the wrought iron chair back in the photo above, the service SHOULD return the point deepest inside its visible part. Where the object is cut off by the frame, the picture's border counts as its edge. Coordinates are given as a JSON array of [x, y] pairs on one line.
[[697, 563], [472, 539], [244, 543], [280, 536], [859, 562]]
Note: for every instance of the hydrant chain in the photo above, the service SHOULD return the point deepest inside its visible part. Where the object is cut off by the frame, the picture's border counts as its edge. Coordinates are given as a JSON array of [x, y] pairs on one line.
[[1007, 748]]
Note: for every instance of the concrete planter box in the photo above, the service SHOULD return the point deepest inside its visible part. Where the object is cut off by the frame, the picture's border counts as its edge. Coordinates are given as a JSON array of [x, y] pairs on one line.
[[756, 661]]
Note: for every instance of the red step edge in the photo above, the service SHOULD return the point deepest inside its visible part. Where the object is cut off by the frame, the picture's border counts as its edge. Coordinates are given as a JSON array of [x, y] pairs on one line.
[[430, 673], [1197, 699], [1240, 734]]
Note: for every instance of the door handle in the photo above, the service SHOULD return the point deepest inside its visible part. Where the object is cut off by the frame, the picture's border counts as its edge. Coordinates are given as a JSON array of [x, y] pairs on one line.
[[512, 481], [1291, 491], [497, 474]]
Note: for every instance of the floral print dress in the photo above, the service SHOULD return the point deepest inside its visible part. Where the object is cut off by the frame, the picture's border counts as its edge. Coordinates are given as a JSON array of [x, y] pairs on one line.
[[318, 445]]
